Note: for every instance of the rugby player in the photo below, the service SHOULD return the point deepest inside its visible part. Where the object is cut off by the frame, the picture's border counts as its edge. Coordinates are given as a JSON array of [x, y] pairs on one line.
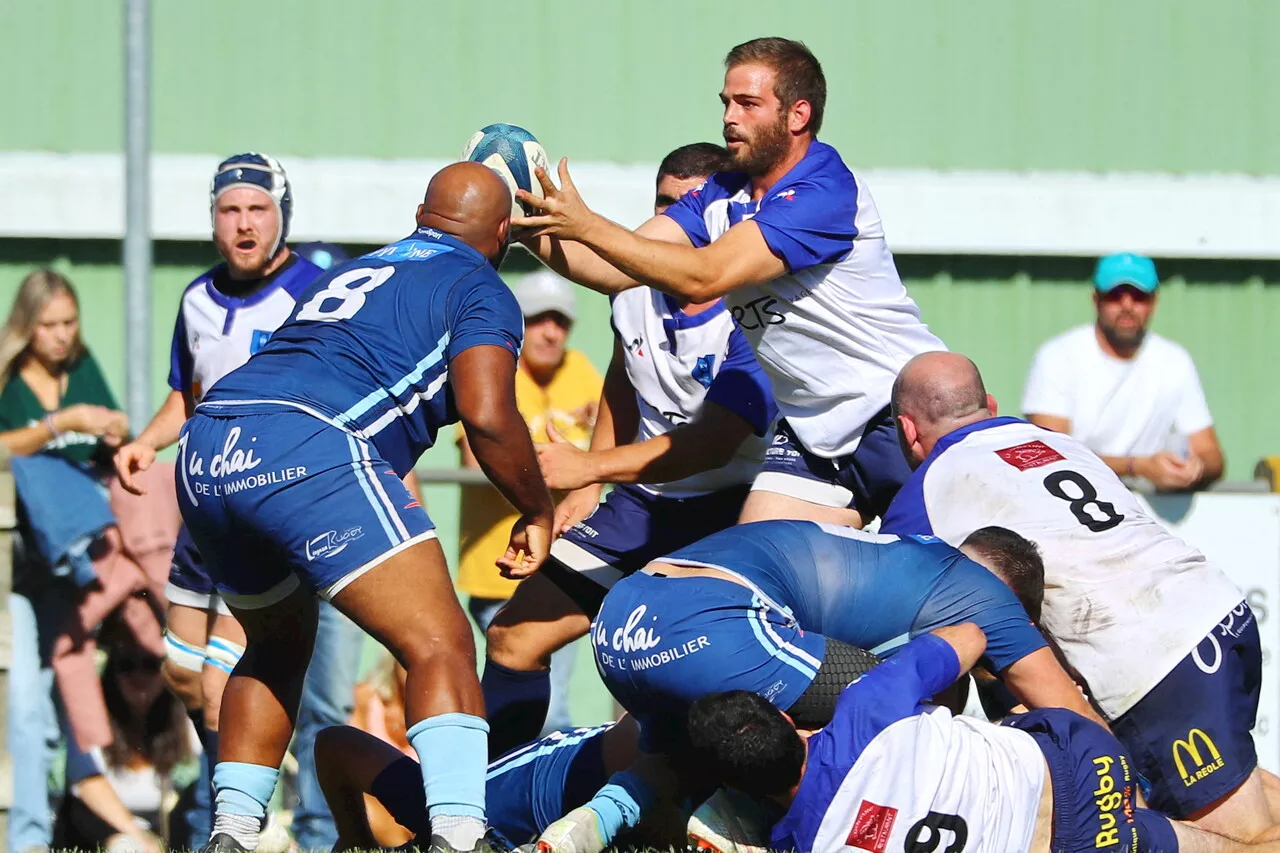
[[1163, 640], [783, 608], [526, 789], [891, 773], [683, 424], [289, 481], [225, 315], [793, 241]]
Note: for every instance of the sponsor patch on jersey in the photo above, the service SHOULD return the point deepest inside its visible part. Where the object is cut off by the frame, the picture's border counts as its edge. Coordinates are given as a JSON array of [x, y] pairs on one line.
[[704, 370], [871, 827], [1033, 454], [260, 338]]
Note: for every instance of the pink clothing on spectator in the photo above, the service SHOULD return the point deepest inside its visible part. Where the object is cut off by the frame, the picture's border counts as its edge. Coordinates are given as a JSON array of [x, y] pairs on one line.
[[132, 570]]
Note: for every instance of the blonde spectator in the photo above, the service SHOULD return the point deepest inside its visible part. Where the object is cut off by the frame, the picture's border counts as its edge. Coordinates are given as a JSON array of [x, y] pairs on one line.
[[55, 405]]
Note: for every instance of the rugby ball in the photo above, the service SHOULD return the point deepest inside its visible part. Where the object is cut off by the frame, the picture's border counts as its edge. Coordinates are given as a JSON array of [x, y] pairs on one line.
[[513, 153]]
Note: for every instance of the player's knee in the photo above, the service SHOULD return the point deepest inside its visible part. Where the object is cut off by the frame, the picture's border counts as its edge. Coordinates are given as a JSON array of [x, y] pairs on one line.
[[518, 646], [418, 653], [181, 669], [183, 683]]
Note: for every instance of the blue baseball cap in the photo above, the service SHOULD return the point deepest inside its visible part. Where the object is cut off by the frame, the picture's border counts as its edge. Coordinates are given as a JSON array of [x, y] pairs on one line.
[[1137, 271]]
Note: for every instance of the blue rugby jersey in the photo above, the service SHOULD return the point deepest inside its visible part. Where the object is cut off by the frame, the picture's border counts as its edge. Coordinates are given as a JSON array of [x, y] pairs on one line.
[[870, 590], [369, 345]]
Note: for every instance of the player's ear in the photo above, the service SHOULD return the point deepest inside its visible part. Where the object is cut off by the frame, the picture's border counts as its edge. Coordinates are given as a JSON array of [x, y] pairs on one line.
[[907, 430], [418, 216], [992, 406], [798, 116]]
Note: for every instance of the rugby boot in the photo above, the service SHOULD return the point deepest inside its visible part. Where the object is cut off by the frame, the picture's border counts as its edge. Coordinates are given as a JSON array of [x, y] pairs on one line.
[[223, 843]]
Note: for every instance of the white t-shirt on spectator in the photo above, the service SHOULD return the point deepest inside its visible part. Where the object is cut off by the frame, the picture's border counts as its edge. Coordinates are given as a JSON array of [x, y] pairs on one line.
[[1118, 407]]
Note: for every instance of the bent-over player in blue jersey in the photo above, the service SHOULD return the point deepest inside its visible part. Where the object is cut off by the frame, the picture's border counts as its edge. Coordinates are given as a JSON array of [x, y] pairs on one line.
[[289, 481], [774, 607]]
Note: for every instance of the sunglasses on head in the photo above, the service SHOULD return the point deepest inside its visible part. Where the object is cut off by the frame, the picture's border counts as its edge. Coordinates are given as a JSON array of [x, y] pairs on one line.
[[1116, 293], [128, 666]]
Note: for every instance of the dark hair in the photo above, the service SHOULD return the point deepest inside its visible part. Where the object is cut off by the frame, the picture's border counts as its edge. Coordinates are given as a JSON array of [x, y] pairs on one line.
[[799, 74], [160, 736], [746, 743], [696, 160], [1015, 560]]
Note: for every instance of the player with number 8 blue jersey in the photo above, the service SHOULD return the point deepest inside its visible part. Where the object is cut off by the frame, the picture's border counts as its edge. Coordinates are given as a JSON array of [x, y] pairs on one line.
[[289, 478], [369, 345]]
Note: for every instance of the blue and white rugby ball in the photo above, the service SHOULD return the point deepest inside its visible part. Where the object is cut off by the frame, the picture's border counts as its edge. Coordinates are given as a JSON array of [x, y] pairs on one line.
[[513, 153]]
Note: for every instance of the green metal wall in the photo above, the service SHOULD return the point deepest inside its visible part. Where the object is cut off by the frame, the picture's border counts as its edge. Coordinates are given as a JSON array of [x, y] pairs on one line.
[[1149, 85]]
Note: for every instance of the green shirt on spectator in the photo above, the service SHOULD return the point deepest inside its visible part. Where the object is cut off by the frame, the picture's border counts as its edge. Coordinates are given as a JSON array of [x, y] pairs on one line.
[[85, 384]]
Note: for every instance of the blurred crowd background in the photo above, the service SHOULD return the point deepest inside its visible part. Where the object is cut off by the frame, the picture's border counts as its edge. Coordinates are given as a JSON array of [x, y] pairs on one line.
[[1055, 180]]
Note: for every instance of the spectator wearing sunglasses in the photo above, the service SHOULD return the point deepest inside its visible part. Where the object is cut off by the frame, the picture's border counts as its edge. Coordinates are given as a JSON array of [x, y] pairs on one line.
[[115, 799], [1132, 396]]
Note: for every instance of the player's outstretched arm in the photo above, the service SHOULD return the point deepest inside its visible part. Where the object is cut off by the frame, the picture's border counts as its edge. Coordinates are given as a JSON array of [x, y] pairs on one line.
[[163, 431], [580, 264], [483, 380], [617, 420], [659, 253], [1037, 680], [704, 444]]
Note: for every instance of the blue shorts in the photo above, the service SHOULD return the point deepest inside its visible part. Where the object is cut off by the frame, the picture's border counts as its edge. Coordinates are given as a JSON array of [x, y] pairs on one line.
[[634, 527], [1190, 736], [866, 480], [526, 789], [189, 583], [275, 498], [661, 643], [1094, 787]]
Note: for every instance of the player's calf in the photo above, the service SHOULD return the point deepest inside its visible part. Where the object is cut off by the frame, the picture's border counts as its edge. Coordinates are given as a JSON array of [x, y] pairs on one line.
[[539, 620], [264, 689]]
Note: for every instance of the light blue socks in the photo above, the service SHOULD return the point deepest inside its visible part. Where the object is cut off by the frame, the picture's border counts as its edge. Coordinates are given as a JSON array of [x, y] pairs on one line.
[[241, 793], [453, 750]]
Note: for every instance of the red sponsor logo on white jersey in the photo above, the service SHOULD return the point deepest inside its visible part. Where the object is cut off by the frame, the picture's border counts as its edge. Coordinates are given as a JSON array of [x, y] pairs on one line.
[[871, 827], [1033, 454]]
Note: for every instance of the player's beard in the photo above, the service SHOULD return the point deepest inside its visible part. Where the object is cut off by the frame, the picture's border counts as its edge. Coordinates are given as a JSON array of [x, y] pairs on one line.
[[762, 151], [1123, 340]]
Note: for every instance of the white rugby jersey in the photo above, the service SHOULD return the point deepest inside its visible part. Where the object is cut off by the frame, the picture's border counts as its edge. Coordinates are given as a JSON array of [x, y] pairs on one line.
[[1125, 598], [216, 333], [675, 362], [834, 331], [889, 774]]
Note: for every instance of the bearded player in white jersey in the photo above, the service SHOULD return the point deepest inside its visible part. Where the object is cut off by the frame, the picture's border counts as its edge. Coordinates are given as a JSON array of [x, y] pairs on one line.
[[793, 242], [892, 774], [1161, 638], [684, 421]]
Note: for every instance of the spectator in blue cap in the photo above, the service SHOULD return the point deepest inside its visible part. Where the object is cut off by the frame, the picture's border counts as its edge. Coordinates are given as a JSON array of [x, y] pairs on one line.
[[1131, 395]]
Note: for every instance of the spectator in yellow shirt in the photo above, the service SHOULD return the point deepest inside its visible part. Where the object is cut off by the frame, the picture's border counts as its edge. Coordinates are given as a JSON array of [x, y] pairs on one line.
[[557, 389]]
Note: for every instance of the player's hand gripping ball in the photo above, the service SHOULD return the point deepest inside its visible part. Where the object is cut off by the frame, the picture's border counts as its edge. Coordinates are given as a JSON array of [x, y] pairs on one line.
[[513, 153]]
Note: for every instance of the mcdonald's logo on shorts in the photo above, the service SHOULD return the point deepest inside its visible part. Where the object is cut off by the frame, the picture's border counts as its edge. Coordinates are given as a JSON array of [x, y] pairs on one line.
[[1196, 757]]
